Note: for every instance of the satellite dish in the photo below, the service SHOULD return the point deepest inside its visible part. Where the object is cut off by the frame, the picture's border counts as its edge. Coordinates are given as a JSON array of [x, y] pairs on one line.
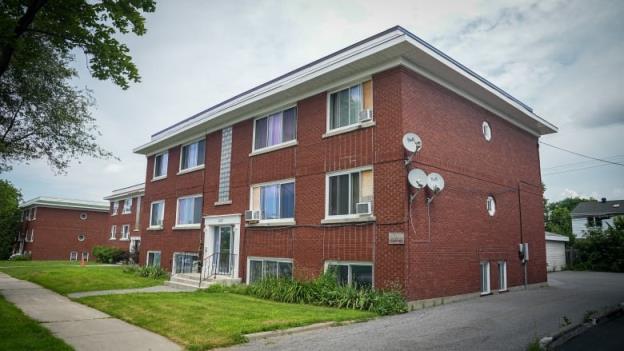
[[412, 142], [417, 178], [435, 182]]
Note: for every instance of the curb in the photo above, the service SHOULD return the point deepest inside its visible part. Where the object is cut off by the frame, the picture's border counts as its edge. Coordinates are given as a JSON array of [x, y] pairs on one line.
[[280, 332], [559, 338]]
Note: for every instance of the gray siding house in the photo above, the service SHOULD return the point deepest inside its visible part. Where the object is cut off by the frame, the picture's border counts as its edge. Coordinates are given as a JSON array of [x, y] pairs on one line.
[[595, 214]]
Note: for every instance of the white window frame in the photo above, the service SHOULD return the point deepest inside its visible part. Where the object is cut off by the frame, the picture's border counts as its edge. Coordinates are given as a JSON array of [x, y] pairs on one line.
[[113, 232], [115, 207], [263, 259], [502, 287], [491, 210], [281, 145], [194, 168], [127, 209], [82, 256], [489, 285], [342, 172], [32, 236], [348, 127], [487, 135], [280, 182], [152, 213], [34, 213], [73, 256], [152, 252], [351, 263], [154, 176], [125, 234], [187, 226]]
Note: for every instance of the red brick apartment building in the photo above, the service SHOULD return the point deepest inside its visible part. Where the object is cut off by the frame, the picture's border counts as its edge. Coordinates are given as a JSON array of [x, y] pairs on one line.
[[124, 231], [61, 229], [308, 171]]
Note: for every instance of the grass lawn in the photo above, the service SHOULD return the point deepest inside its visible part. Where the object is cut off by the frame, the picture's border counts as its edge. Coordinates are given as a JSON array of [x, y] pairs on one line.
[[65, 277], [18, 332], [203, 320]]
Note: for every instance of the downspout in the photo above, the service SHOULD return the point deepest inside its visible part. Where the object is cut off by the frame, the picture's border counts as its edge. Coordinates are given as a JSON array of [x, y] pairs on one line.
[[524, 262]]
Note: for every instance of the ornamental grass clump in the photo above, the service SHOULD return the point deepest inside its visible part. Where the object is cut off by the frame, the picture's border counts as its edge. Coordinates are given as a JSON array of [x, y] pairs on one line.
[[325, 291]]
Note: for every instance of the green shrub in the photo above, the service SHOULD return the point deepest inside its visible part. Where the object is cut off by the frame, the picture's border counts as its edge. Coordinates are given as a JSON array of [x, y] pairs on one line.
[[240, 289], [24, 257], [107, 254], [325, 291], [152, 272]]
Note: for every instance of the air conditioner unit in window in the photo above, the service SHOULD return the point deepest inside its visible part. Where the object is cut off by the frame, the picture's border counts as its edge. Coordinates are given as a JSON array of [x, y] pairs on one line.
[[252, 216], [363, 208], [366, 115]]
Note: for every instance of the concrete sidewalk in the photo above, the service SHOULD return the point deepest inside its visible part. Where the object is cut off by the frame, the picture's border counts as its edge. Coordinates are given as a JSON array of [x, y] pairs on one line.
[[80, 326], [151, 289]]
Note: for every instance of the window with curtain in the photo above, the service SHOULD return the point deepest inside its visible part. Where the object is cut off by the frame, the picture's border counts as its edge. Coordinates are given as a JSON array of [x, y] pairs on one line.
[[113, 232], [125, 231], [275, 129], [160, 164], [274, 201], [157, 214], [193, 155], [153, 258], [345, 105], [127, 206], [189, 211], [115, 207], [345, 190]]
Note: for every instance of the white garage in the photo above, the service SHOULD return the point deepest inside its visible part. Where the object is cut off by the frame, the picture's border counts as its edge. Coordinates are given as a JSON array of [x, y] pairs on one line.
[[555, 251]]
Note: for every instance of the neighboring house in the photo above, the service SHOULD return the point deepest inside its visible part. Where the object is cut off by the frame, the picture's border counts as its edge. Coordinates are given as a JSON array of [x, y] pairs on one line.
[[307, 172], [555, 251], [124, 230], [595, 215], [61, 229]]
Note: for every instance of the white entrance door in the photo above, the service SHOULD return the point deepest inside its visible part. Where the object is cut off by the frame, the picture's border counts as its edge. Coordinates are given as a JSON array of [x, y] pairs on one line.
[[221, 245]]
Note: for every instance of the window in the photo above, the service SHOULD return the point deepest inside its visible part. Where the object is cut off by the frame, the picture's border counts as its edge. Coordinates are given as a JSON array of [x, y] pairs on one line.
[[127, 206], [261, 268], [32, 236], [345, 105], [153, 258], [81, 237], [275, 129], [485, 277], [275, 200], [225, 164], [125, 231], [83, 216], [189, 211], [487, 131], [115, 207], [502, 275], [73, 256], [161, 162], [33, 213], [192, 155], [113, 232], [85, 255], [357, 274], [594, 222], [346, 189], [490, 205], [157, 214]]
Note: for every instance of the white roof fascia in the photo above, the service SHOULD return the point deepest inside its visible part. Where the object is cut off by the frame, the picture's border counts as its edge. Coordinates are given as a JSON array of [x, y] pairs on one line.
[[71, 204]]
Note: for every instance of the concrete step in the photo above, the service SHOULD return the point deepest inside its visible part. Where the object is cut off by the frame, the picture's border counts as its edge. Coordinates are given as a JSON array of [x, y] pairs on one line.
[[184, 280], [181, 286]]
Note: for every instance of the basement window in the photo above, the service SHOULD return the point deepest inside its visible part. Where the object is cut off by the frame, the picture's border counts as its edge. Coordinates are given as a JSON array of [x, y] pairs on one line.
[[73, 256], [262, 268], [485, 277], [153, 258], [356, 274], [502, 275]]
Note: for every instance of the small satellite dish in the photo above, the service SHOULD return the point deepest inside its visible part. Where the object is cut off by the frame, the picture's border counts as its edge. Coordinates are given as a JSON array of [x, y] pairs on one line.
[[412, 142], [435, 182], [417, 178]]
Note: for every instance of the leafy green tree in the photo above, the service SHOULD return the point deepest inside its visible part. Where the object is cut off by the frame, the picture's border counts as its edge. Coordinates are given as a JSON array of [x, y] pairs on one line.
[[558, 217], [42, 116], [9, 217], [602, 250]]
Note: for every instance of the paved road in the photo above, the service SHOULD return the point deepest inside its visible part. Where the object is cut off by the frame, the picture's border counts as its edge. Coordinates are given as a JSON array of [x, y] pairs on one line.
[[82, 327], [605, 337], [499, 322]]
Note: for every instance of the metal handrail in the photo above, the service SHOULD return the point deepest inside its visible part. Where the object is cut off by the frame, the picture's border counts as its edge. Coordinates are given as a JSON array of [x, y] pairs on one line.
[[214, 264]]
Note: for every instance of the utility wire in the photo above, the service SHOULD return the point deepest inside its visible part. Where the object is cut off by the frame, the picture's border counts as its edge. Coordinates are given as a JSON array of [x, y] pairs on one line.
[[580, 163], [581, 155], [573, 170]]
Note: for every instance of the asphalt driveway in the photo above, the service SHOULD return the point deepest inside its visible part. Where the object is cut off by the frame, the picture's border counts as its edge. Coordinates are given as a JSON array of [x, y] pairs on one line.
[[499, 322]]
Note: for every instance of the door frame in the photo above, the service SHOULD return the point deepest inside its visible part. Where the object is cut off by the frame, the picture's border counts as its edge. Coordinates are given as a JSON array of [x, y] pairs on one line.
[[213, 222]]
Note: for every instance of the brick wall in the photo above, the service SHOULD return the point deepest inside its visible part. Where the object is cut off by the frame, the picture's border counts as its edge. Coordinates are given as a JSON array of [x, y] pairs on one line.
[[437, 262], [56, 233]]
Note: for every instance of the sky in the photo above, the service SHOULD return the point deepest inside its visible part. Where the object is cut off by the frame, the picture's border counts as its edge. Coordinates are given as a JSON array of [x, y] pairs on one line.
[[565, 59]]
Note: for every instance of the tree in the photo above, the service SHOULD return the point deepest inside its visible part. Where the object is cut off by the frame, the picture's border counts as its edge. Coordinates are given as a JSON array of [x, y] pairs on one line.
[[41, 114], [602, 250], [9, 217], [558, 219]]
